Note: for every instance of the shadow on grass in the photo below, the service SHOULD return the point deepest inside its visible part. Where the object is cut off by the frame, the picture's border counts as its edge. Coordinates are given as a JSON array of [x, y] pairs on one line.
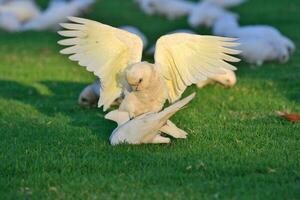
[[61, 100]]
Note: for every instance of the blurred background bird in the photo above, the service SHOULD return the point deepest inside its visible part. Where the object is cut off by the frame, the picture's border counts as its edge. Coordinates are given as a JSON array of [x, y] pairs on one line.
[[57, 12]]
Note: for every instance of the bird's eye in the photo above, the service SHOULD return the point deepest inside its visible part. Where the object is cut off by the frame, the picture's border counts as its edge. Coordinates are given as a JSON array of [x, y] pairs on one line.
[[141, 80]]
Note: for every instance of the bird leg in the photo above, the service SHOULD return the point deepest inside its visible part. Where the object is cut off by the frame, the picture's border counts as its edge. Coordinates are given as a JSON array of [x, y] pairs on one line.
[[171, 129]]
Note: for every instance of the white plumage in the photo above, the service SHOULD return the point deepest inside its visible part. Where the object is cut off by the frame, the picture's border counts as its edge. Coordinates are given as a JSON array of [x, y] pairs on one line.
[[114, 55], [172, 9], [258, 50], [148, 127], [227, 80], [271, 43], [57, 12]]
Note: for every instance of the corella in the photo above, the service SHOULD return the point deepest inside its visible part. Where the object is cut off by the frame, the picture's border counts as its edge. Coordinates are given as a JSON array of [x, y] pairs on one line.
[[114, 55]]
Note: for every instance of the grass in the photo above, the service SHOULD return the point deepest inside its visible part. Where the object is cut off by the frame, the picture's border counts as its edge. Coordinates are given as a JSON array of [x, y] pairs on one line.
[[51, 148]]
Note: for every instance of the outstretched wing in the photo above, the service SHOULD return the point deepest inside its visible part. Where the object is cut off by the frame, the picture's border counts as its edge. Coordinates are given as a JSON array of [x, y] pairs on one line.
[[185, 59], [103, 50]]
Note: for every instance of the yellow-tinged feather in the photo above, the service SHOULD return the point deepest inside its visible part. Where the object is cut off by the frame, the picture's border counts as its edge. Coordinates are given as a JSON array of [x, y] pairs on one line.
[[103, 50], [185, 59]]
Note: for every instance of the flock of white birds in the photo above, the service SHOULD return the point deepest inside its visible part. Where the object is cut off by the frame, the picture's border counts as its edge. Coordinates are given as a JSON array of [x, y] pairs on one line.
[[259, 43], [140, 116], [272, 45], [23, 15]]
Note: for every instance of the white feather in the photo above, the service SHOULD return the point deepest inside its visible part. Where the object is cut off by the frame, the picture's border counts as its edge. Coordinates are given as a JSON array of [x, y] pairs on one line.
[[270, 41], [145, 128]]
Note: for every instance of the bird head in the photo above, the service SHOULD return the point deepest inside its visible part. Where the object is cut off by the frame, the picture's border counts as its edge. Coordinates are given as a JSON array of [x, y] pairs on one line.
[[139, 75], [228, 79]]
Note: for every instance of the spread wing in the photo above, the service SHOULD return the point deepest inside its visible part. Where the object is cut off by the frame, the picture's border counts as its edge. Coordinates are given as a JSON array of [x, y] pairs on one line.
[[103, 50], [185, 59]]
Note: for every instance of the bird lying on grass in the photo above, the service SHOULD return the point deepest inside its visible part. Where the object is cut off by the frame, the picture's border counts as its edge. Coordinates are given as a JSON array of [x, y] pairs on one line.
[[147, 128], [172, 9], [114, 55]]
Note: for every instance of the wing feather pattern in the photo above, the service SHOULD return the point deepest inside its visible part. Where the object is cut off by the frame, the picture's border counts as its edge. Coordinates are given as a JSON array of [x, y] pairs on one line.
[[103, 50], [185, 59]]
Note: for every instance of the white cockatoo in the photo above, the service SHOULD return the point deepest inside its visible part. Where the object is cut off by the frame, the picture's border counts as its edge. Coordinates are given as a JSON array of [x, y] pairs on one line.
[[147, 128], [228, 80], [272, 44], [205, 14], [257, 51], [57, 12], [136, 31], [226, 3], [23, 10], [172, 9], [114, 55]]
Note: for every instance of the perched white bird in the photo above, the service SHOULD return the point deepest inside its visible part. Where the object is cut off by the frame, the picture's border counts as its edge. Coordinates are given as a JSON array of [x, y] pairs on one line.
[[57, 12], [205, 14], [228, 80], [9, 22], [266, 38], [148, 127], [226, 3], [172, 9], [136, 31], [114, 55], [23, 10], [151, 50]]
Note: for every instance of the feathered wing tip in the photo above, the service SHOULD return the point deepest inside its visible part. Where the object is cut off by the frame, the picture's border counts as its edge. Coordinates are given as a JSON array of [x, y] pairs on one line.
[[186, 59], [90, 44]]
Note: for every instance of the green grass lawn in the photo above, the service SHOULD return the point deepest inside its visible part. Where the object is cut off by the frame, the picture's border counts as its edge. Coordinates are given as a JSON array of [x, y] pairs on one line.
[[51, 148]]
